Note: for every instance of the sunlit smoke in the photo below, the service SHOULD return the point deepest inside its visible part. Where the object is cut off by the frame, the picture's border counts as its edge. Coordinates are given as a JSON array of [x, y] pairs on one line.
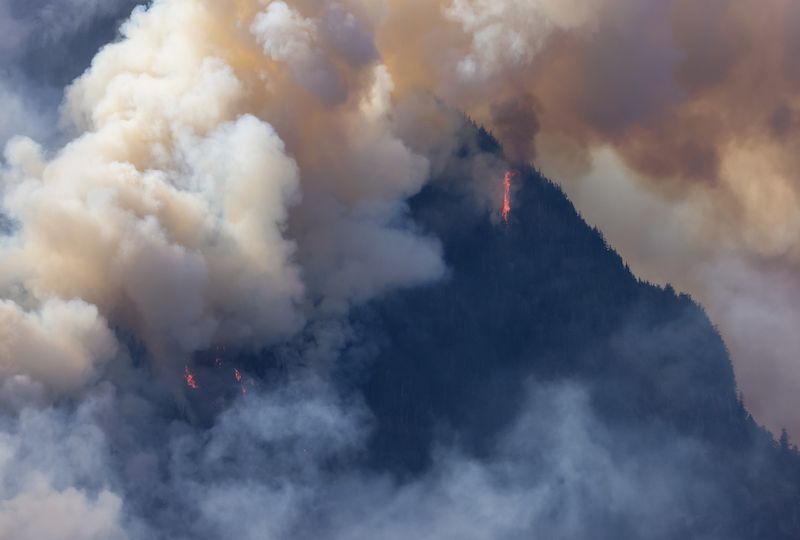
[[236, 176]]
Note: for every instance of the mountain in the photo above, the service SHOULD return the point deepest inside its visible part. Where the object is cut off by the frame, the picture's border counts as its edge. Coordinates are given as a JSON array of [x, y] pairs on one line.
[[542, 301]]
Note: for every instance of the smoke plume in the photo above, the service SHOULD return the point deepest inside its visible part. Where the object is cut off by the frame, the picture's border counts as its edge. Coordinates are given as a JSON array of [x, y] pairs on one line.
[[235, 175]]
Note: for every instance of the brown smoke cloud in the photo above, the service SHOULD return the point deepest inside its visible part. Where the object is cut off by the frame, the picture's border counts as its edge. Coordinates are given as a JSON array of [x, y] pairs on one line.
[[691, 95], [674, 125]]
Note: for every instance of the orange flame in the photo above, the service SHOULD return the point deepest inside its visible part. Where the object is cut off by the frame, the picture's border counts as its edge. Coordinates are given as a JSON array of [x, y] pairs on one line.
[[191, 382], [238, 376], [507, 195]]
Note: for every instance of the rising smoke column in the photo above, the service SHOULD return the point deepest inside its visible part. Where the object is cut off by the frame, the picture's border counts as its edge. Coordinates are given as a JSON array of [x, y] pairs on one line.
[[235, 173], [235, 177]]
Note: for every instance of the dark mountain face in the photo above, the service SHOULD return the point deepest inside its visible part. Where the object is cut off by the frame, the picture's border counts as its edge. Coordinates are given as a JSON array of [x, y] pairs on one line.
[[540, 302]]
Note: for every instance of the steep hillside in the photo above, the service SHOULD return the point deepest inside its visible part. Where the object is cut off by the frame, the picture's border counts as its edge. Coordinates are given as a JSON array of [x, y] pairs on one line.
[[543, 300]]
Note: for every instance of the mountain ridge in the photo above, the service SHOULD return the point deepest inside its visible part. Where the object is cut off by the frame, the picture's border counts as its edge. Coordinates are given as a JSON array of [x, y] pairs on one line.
[[545, 298]]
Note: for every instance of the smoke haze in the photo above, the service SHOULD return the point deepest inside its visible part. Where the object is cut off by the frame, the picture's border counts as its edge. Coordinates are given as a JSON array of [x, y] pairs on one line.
[[695, 105], [223, 177]]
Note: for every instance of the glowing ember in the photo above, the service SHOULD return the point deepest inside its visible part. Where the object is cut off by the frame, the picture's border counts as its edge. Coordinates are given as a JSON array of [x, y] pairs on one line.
[[191, 382], [238, 376], [507, 195]]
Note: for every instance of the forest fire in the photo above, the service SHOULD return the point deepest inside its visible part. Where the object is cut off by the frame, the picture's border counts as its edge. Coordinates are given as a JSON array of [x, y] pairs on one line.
[[238, 376], [191, 382], [507, 195]]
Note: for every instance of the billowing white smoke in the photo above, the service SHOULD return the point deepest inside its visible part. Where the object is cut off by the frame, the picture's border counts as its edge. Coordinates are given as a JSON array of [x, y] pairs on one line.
[[59, 346], [236, 174], [507, 35]]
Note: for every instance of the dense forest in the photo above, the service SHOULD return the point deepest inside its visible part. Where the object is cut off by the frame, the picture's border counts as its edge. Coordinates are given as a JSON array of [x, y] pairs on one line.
[[544, 300]]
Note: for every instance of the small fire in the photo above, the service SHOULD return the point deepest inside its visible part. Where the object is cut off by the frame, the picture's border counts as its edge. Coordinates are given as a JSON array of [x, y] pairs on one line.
[[191, 382], [507, 195], [238, 376]]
